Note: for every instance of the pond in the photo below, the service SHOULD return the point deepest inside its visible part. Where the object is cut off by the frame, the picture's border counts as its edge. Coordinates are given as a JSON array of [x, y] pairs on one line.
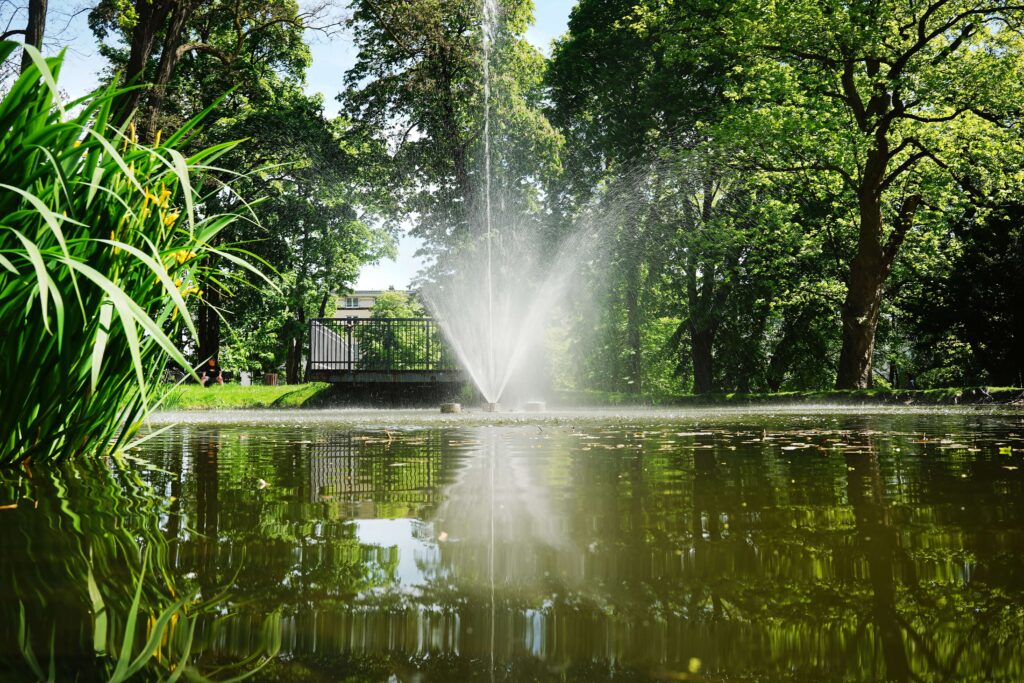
[[798, 545]]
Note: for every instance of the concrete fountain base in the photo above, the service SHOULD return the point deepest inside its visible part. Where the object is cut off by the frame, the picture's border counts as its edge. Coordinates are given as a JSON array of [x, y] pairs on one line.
[[451, 407], [491, 408]]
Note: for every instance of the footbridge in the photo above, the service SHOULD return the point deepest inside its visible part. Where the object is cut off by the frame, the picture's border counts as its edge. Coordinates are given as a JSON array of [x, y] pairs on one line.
[[380, 351]]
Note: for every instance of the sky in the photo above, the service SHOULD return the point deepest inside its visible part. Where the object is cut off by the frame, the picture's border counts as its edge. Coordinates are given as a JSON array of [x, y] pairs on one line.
[[330, 60]]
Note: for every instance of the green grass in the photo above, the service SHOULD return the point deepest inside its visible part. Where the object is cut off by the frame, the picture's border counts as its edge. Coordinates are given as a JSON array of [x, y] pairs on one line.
[[235, 396], [321, 394]]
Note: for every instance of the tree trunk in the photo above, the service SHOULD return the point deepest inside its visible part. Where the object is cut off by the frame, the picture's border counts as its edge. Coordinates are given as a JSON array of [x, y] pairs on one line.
[[295, 347], [34, 30], [782, 356], [702, 327], [868, 271], [209, 324], [701, 343], [860, 319], [151, 17], [165, 70]]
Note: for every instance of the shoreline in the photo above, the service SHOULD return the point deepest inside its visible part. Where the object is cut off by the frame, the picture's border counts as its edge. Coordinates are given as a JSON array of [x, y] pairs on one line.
[[322, 396]]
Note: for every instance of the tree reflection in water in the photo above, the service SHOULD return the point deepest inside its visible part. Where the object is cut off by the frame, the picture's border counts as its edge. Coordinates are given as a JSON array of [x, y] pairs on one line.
[[835, 548]]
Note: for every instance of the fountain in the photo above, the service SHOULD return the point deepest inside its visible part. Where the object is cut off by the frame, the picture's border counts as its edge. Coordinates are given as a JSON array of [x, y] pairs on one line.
[[496, 299]]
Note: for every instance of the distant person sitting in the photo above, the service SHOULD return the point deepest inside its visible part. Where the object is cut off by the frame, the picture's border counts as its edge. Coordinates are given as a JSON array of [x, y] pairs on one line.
[[210, 373]]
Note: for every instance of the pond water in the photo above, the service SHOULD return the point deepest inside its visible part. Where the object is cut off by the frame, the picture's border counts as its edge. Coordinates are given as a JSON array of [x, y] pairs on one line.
[[792, 545]]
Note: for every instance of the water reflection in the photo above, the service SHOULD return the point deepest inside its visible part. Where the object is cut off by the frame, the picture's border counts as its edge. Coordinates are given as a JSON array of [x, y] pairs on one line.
[[764, 548]]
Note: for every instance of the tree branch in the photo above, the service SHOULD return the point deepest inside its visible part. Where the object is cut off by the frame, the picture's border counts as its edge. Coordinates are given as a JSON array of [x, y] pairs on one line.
[[901, 226], [185, 48]]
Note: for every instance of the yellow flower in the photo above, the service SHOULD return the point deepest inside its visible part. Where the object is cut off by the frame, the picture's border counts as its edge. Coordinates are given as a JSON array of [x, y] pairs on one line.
[[156, 141], [171, 218]]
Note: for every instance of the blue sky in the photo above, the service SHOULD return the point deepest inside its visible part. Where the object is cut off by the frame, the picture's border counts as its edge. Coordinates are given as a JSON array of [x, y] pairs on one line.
[[330, 60]]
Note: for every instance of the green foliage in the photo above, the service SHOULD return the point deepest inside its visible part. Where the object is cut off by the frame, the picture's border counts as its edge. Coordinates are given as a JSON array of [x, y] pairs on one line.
[[869, 138], [101, 243], [394, 304], [417, 90]]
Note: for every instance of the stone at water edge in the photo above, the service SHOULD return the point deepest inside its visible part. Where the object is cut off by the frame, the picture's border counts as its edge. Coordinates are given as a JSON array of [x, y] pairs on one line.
[[491, 407], [451, 407]]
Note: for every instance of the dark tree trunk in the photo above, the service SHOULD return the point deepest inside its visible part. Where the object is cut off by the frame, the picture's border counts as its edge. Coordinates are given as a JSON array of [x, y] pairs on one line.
[[781, 357], [860, 319], [151, 17], [295, 347], [702, 343], [209, 324], [868, 273], [169, 57], [34, 30], [702, 327]]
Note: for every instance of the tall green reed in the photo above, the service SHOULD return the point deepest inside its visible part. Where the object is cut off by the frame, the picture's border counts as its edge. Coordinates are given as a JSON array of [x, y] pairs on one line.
[[102, 243]]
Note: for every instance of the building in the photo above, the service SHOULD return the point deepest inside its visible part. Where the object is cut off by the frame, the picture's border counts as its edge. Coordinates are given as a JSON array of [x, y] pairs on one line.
[[358, 304]]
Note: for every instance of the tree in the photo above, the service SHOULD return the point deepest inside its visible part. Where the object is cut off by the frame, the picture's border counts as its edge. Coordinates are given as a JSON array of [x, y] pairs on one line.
[[315, 225], [632, 85], [418, 85], [160, 33], [886, 96]]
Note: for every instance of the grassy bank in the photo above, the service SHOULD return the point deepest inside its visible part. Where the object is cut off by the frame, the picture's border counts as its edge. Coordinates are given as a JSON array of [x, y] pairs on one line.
[[944, 396], [235, 396], [320, 394]]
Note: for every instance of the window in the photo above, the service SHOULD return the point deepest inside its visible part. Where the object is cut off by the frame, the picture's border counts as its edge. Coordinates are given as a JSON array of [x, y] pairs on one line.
[[351, 302]]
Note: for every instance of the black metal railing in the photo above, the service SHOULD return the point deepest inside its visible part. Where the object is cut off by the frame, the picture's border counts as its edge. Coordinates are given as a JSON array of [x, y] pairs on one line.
[[378, 345]]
